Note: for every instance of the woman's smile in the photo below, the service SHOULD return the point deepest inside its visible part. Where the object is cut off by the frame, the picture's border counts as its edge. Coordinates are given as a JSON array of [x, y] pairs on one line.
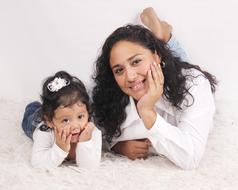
[[137, 86]]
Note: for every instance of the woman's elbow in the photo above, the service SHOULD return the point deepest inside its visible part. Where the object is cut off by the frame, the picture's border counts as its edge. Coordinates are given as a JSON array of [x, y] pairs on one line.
[[191, 162]]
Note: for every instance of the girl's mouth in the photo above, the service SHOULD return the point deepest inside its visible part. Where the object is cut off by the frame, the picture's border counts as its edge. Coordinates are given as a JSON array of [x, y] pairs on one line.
[[75, 136]]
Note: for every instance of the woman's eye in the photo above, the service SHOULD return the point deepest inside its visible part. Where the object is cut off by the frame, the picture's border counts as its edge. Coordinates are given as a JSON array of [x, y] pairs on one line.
[[118, 71], [136, 61]]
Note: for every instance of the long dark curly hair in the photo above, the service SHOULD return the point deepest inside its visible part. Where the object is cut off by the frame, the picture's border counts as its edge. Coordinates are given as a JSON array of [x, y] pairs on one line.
[[109, 101]]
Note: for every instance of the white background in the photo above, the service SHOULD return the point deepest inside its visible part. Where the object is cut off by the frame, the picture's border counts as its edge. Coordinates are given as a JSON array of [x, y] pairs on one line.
[[38, 38]]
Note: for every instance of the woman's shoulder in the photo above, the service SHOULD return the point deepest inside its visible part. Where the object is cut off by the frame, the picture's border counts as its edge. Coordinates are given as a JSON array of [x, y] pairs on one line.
[[194, 77], [198, 87], [197, 83]]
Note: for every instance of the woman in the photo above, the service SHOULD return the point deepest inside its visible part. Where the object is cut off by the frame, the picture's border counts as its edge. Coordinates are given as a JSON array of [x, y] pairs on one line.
[[147, 99]]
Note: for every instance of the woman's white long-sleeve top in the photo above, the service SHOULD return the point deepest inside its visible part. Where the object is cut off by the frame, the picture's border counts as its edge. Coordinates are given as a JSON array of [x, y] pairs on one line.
[[46, 153], [179, 135]]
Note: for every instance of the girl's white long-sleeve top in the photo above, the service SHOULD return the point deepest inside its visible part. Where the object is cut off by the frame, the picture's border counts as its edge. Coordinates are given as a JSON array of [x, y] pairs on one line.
[[179, 135], [46, 153]]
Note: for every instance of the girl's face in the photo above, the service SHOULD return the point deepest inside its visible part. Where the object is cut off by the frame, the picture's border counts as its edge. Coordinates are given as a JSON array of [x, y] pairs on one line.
[[130, 63], [73, 119]]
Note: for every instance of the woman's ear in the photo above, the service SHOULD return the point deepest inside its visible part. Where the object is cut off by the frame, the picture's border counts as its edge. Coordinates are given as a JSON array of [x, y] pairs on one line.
[[157, 58]]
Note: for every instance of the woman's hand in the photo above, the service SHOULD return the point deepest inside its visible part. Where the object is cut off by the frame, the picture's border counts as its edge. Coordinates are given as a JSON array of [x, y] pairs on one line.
[[87, 132], [62, 138], [145, 106], [133, 149]]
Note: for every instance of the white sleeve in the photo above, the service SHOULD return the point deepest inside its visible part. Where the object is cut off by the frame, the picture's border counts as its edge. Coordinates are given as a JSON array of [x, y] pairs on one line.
[[185, 143], [45, 153], [88, 153]]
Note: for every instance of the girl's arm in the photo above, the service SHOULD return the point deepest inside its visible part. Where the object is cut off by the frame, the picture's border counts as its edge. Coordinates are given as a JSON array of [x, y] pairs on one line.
[[45, 152], [88, 153]]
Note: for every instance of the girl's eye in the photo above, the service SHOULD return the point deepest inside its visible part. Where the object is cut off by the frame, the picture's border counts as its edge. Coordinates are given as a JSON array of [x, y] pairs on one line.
[[136, 61], [81, 116], [65, 120]]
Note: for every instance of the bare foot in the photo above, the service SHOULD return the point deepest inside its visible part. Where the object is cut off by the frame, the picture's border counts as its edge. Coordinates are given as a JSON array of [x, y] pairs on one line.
[[161, 29]]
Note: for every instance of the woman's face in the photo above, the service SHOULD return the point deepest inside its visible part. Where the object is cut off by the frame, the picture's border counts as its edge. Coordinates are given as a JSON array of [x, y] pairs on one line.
[[130, 63]]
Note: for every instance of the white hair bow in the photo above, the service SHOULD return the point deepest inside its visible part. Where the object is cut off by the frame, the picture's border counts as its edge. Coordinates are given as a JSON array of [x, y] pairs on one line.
[[57, 84]]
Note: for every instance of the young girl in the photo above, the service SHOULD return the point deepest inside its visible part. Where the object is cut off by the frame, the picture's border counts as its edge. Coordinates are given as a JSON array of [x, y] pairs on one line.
[[60, 127]]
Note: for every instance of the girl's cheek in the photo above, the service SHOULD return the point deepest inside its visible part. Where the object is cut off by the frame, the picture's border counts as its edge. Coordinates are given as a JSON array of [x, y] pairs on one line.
[[85, 126]]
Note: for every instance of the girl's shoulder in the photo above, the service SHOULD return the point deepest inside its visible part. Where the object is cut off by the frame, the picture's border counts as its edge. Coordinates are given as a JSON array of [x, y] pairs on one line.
[[43, 132]]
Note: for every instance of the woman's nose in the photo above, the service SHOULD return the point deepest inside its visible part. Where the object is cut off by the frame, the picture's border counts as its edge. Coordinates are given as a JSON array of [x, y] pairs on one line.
[[131, 75]]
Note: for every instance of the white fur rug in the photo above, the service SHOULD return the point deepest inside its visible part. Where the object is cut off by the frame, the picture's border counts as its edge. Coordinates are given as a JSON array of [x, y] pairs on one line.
[[218, 169]]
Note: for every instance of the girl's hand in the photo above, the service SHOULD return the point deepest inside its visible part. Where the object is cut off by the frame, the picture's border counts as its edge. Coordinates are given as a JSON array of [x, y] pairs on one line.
[[87, 132], [145, 106], [62, 138], [133, 149]]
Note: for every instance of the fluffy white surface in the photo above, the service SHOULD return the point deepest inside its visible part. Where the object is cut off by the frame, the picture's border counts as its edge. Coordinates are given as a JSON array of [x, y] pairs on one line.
[[218, 168]]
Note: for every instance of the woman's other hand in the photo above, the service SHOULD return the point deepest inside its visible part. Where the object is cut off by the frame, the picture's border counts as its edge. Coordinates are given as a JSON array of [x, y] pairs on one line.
[[133, 149]]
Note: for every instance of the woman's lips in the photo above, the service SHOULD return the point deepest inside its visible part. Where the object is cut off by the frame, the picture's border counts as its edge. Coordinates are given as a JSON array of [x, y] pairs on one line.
[[138, 86]]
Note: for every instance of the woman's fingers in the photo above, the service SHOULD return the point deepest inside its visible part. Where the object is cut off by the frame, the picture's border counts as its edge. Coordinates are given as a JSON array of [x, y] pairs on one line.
[[161, 75], [150, 79], [158, 74], [142, 152], [141, 144], [142, 156], [155, 74]]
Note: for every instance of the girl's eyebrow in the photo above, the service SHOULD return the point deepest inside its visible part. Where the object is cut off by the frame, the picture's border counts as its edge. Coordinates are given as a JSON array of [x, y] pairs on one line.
[[61, 116], [129, 59]]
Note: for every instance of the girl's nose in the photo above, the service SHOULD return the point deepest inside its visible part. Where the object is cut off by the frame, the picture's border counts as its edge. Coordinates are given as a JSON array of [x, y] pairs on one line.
[[76, 125]]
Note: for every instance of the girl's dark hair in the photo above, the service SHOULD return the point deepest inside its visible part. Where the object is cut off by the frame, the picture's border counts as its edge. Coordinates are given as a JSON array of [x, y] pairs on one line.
[[66, 96], [109, 101]]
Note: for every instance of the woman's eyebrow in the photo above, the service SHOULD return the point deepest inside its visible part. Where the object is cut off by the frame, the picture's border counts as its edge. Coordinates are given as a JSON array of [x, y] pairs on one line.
[[128, 59]]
